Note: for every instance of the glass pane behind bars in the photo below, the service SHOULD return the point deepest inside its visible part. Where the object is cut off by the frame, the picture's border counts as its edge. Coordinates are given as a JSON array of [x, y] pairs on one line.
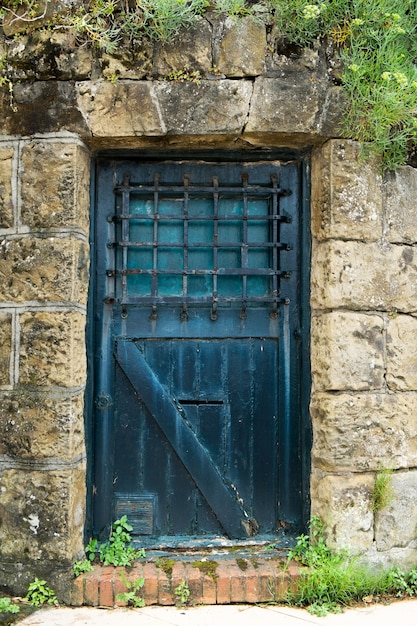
[[172, 243]]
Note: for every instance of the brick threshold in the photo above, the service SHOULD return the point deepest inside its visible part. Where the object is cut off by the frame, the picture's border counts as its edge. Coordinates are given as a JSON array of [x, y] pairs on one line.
[[229, 580]]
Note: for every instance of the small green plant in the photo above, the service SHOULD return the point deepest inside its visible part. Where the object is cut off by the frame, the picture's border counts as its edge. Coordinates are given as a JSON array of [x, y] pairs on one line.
[[334, 579], [80, 567], [402, 583], [182, 593], [5, 81], [97, 24], [105, 24], [321, 610], [163, 19], [130, 596], [233, 8], [39, 593], [383, 492], [91, 549], [116, 551], [7, 606], [311, 550], [185, 75]]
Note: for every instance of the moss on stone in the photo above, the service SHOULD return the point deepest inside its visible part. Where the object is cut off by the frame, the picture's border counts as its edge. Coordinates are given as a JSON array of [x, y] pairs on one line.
[[242, 564], [207, 567], [166, 565]]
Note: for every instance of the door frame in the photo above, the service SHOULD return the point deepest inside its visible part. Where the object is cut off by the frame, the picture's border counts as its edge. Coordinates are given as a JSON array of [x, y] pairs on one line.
[[97, 402]]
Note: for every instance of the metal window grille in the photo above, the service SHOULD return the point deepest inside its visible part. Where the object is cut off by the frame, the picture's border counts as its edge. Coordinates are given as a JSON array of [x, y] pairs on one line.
[[197, 244]]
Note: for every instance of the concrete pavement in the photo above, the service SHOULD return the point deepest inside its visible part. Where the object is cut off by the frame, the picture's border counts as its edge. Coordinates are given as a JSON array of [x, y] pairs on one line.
[[403, 613]]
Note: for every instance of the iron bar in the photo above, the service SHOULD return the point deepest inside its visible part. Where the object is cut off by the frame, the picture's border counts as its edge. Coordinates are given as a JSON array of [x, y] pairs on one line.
[[239, 228]]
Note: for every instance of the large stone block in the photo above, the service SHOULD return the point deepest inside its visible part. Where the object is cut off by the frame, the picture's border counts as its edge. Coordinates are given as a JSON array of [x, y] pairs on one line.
[[364, 276], [402, 353], [212, 106], [126, 109], [239, 48], [5, 348], [42, 513], [400, 193], [190, 52], [52, 350], [43, 107], [396, 524], [6, 190], [39, 426], [131, 60], [343, 503], [55, 184], [48, 55], [347, 351], [287, 105], [44, 269], [346, 193], [364, 431]]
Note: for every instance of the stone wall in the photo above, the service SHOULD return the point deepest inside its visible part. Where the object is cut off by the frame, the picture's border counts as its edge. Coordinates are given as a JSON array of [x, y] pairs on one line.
[[44, 270], [363, 273], [364, 361]]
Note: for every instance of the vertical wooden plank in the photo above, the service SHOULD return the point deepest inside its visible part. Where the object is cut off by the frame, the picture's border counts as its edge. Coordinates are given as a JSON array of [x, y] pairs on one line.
[[265, 443], [237, 386]]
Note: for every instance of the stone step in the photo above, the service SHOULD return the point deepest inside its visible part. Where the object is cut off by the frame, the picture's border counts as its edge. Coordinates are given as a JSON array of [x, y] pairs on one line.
[[226, 581]]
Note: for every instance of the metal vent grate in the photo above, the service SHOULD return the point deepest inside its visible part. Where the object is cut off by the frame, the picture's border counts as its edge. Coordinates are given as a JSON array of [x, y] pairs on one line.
[[194, 244]]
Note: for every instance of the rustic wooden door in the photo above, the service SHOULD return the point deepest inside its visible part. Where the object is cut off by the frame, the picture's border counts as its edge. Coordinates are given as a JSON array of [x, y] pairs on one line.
[[198, 427]]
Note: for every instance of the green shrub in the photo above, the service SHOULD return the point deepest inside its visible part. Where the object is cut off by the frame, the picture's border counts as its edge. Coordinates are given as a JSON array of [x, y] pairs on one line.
[[377, 45], [333, 579]]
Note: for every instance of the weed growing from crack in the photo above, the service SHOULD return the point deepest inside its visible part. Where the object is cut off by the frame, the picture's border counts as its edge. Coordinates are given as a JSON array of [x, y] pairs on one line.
[[182, 593], [383, 493], [130, 596]]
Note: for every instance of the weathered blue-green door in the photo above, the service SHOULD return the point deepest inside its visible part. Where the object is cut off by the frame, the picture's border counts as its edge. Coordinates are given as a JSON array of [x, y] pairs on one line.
[[198, 427]]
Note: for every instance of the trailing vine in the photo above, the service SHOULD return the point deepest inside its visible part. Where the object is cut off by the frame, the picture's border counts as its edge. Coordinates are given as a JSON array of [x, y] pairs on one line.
[[373, 47]]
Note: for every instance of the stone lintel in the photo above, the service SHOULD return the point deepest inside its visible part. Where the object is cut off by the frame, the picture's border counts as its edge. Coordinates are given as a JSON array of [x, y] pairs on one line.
[[290, 104]]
